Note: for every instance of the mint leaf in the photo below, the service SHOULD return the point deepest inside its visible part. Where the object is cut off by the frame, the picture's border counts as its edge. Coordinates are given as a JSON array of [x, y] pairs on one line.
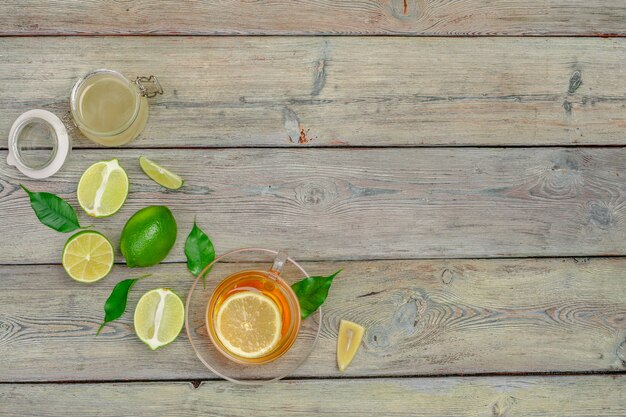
[[53, 211], [115, 305], [199, 251], [312, 292]]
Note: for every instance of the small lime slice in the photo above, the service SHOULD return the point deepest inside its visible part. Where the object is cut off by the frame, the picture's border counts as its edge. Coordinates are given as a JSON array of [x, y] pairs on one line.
[[159, 317], [160, 175], [103, 188], [88, 256]]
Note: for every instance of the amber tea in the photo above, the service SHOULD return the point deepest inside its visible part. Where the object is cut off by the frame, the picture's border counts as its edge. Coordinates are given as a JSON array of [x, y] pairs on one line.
[[253, 317]]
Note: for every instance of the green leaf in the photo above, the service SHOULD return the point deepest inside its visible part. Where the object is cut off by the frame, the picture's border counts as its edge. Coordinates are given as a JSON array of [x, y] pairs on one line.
[[312, 292], [115, 305], [53, 211], [199, 251]]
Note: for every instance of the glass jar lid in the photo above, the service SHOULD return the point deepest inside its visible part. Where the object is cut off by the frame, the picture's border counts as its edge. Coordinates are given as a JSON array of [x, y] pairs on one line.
[[38, 144]]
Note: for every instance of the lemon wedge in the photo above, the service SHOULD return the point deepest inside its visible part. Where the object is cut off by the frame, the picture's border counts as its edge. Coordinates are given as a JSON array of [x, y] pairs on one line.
[[348, 342]]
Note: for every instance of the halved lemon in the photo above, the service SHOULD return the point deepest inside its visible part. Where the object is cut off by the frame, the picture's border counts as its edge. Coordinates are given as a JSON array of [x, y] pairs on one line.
[[160, 175], [88, 256], [249, 324], [159, 317], [103, 188]]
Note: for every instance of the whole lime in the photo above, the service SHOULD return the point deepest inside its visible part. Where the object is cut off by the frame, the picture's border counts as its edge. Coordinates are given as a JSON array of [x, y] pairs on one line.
[[148, 236]]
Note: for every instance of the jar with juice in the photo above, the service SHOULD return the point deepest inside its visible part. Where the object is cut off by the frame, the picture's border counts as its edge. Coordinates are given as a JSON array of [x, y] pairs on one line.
[[109, 109], [105, 106]]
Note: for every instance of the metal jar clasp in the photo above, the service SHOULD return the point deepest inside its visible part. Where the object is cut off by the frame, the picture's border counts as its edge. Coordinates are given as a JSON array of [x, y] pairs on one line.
[[69, 122], [149, 86]]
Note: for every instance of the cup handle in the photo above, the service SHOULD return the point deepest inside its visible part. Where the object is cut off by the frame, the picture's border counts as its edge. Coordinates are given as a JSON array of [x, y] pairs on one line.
[[279, 262]]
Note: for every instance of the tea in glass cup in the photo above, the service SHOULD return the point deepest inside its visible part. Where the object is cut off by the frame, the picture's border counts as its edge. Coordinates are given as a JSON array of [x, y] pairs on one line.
[[253, 316]]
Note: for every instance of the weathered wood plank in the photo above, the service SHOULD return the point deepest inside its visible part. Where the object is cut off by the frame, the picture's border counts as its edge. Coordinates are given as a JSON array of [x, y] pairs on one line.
[[423, 318], [598, 396], [360, 17], [230, 92], [357, 204]]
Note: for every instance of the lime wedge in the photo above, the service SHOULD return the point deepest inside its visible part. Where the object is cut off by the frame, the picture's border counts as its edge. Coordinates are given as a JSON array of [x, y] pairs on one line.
[[103, 188], [160, 175], [159, 317], [88, 256]]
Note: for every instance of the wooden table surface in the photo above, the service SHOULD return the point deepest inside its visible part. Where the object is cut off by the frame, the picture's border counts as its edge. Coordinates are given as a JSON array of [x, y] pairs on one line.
[[467, 169]]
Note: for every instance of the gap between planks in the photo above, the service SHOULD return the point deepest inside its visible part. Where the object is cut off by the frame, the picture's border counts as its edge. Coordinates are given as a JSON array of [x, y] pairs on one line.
[[344, 147], [197, 382], [582, 258], [304, 35]]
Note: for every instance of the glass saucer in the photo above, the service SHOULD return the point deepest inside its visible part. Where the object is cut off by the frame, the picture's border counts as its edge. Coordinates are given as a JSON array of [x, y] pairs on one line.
[[195, 320]]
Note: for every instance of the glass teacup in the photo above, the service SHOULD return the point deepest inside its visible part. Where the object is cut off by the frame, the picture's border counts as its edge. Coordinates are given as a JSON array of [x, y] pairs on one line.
[[271, 288], [287, 355]]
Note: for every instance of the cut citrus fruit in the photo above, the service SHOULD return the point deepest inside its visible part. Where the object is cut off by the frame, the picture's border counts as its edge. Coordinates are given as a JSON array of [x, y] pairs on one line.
[[103, 188], [159, 317], [88, 256], [248, 324], [160, 175], [348, 342]]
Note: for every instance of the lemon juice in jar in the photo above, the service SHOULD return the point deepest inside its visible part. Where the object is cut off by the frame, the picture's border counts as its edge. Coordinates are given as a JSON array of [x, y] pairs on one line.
[[109, 109]]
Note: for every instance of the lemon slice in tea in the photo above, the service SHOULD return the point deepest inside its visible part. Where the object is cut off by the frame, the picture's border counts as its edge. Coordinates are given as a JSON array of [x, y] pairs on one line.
[[249, 324], [160, 175], [88, 256], [159, 317], [103, 188]]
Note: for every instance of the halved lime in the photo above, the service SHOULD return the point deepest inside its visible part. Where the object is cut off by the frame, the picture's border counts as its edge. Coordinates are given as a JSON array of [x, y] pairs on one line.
[[160, 175], [103, 188], [159, 317], [88, 256]]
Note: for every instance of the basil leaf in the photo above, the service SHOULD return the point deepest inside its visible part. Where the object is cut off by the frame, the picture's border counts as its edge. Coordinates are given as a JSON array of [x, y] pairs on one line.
[[53, 211], [199, 251], [115, 305], [312, 292]]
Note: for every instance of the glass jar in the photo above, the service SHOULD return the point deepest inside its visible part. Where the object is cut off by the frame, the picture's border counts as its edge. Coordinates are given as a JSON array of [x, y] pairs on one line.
[[105, 106], [110, 109]]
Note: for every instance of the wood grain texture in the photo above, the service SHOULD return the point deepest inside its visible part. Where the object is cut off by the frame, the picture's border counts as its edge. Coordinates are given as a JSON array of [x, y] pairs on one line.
[[356, 204], [422, 318], [598, 396], [295, 92], [355, 17]]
